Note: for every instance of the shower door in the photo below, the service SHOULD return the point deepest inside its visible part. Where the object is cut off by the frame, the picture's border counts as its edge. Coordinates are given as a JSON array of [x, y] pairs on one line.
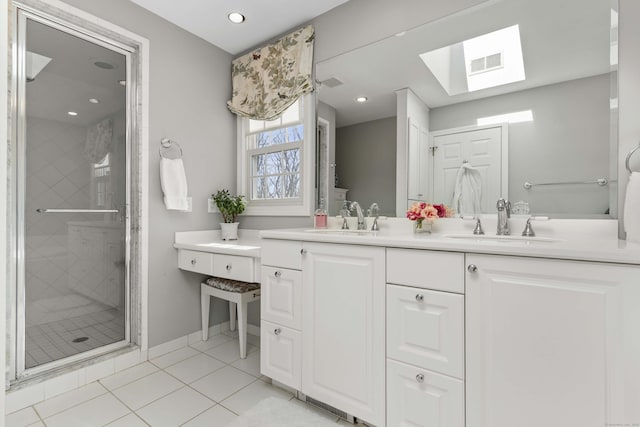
[[71, 196]]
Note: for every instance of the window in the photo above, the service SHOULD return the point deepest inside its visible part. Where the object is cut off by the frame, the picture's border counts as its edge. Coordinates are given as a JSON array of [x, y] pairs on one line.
[[101, 182], [275, 158]]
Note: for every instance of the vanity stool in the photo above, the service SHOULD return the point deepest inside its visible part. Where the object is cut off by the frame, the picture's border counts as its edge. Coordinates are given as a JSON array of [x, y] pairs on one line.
[[239, 294]]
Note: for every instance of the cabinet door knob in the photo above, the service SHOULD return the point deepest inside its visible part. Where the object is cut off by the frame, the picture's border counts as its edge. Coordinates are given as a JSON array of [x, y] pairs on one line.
[[228, 267], [472, 268], [193, 262], [303, 251], [277, 273], [277, 331], [419, 297], [420, 378]]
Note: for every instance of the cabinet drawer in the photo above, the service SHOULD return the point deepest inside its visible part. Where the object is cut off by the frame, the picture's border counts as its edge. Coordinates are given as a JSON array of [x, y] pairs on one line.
[[233, 267], [418, 397], [281, 300], [281, 253], [199, 262], [426, 329], [442, 271], [281, 354]]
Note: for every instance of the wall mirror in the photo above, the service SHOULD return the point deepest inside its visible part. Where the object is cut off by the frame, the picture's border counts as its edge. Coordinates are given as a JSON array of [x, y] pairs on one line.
[[544, 71]]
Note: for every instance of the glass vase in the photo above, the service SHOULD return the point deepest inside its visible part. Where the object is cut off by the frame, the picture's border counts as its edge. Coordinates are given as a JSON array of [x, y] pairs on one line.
[[420, 227]]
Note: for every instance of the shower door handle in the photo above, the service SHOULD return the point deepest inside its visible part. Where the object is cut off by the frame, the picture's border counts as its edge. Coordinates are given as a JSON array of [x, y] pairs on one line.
[[77, 210]]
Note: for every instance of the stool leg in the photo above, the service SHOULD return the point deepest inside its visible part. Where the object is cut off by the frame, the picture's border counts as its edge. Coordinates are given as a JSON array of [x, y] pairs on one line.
[[242, 329], [205, 300], [232, 316]]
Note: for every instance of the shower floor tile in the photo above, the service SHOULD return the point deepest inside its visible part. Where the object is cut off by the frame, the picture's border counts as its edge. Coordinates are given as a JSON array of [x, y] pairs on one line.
[[54, 340]]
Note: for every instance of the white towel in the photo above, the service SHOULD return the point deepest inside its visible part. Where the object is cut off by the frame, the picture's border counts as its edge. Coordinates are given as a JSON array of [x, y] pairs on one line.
[[632, 208], [467, 194], [173, 181]]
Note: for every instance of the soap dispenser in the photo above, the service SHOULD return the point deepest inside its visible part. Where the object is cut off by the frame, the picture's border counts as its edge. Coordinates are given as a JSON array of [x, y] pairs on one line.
[[320, 217]]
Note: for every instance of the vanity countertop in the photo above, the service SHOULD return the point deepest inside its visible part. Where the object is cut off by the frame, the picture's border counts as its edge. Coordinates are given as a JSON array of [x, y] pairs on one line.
[[597, 247], [248, 243]]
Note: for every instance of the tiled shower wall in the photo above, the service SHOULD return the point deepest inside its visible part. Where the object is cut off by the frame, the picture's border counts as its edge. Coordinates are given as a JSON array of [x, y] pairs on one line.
[[57, 176]]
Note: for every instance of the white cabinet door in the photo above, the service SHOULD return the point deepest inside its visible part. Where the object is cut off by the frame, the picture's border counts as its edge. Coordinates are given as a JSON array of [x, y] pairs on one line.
[[280, 354], [420, 398], [551, 343], [281, 300], [426, 328], [343, 324]]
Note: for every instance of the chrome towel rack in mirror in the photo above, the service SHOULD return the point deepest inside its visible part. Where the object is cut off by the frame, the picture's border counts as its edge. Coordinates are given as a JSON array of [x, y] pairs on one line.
[[626, 162], [170, 149], [599, 181]]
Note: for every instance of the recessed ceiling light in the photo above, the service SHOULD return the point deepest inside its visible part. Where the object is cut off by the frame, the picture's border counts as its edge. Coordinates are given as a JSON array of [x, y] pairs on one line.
[[236, 18], [94, 101], [72, 113], [122, 82], [362, 99]]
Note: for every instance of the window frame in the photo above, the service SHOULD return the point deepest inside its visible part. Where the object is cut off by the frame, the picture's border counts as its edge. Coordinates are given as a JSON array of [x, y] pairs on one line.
[[302, 206]]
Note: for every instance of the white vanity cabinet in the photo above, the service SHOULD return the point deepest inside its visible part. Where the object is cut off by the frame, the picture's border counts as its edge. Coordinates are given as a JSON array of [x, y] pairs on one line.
[[343, 328], [551, 343], [281, 312], [425, 338]]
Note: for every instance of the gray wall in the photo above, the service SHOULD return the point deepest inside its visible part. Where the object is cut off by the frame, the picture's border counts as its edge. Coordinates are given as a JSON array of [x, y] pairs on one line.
[[189, 84], [366, 163], [567, 141]]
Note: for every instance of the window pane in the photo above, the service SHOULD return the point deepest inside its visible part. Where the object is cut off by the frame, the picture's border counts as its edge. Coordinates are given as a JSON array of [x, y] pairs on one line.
[[292, 185], [274, 187], [272, 123], [259, 188], [291, 114], [291, 160], [255, 125]]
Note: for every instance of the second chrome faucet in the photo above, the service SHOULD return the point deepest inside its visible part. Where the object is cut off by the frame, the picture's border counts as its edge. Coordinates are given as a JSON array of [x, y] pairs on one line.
[[504, 213]]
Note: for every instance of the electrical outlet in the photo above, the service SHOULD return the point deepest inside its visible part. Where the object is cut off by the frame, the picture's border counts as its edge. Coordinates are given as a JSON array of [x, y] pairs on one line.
[[211, 206], [189, 204]]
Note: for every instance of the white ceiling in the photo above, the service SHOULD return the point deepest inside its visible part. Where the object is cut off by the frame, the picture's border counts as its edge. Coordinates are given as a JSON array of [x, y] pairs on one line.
[[264, 19]]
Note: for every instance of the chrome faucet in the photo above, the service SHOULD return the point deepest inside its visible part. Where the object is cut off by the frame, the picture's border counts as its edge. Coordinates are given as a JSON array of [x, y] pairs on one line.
[[361, 223], [374, 211], [345, 213], [504, 213]]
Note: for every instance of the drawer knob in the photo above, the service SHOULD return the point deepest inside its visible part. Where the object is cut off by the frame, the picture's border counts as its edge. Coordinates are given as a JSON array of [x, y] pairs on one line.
[[228, 267], [277, 331], [193, 262], [472, 268], [277, 273], [303, 251], [420, 378], [419, 297]]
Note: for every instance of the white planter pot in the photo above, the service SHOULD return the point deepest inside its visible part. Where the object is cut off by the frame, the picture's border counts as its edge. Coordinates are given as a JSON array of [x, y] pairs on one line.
[[229, 230]]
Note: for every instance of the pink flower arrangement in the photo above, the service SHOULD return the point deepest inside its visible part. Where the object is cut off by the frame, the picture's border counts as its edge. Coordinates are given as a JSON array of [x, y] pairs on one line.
[[421, 211]]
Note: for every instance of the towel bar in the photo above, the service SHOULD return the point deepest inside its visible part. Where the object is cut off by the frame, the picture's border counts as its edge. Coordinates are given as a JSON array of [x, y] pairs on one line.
[[599, 181]]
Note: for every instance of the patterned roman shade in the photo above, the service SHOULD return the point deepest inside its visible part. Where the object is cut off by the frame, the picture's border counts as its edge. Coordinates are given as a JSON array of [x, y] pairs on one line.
[[270, 79]]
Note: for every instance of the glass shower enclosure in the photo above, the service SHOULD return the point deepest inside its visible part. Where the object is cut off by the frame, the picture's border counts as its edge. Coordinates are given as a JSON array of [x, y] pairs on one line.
[[71, 297]]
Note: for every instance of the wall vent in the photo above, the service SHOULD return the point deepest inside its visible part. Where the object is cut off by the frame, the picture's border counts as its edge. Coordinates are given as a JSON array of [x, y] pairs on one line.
[[335, 411]]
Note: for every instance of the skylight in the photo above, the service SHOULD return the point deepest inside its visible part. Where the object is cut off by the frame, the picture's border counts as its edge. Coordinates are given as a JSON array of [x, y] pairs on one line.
[[489, 60]]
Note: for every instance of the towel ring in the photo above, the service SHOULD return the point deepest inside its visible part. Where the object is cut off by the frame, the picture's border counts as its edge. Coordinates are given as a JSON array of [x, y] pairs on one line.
[[167, 146], [626, 162]]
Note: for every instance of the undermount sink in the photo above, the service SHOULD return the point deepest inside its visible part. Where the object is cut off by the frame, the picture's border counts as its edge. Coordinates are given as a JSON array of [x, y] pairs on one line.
[[505, 239], [341, 232]]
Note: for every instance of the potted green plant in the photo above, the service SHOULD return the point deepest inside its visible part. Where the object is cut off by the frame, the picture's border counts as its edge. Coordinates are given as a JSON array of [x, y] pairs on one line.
[[230, 207]]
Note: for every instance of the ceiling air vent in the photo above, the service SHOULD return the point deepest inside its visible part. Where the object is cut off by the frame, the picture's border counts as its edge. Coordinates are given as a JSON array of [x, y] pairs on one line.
[[485, 63], [331, 82]]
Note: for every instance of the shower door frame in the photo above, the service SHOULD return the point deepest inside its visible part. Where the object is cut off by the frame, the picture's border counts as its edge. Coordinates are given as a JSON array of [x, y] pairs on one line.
[[17, 320]]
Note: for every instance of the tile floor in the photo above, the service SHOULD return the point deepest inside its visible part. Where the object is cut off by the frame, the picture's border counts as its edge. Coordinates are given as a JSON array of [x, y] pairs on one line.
[[205, 384]]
